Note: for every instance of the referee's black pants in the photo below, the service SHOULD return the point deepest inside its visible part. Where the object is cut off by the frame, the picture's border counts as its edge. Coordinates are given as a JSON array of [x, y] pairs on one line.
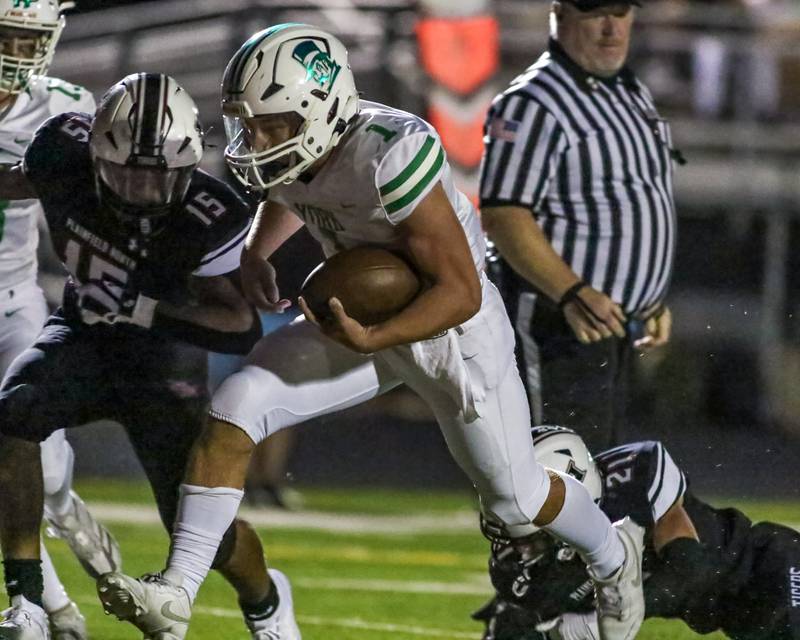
[[581, 386]]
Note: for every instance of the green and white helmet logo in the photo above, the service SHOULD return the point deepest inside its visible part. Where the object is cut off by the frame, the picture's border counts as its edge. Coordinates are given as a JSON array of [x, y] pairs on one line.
[[320, 67]]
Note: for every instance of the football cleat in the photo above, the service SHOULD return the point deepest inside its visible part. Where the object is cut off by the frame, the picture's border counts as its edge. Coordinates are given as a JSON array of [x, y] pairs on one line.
[[620, 599], [90, 541], [68, 624], [159, 608], [24, 621], [280, 625]]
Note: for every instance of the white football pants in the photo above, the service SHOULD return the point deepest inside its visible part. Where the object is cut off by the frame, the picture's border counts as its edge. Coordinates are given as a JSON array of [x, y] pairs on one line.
[[297, 373]]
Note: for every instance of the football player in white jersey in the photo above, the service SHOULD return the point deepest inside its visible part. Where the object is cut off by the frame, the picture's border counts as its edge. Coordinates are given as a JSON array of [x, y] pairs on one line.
[[29, 32], [360, 173]]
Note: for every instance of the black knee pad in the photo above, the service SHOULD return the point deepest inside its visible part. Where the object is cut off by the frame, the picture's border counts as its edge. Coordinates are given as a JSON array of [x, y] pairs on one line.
[[24, 414], [225, 550]]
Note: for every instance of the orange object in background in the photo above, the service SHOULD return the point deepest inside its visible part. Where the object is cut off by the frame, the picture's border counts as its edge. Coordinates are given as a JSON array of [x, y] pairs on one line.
[[460, 54], [462, 140]]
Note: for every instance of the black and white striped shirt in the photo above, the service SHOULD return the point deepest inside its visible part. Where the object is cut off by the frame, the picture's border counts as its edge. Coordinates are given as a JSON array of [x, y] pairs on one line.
[[592, 159]]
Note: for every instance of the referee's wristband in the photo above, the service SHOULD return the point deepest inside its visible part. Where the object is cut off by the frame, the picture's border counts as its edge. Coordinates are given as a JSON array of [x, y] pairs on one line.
[[571, 294]]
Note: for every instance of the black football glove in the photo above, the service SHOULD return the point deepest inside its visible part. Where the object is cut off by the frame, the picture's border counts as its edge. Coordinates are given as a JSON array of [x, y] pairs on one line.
[[506, 621]]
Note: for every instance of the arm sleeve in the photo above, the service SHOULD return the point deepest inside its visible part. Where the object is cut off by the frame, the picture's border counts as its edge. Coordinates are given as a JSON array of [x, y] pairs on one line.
[[211, 339], [222, 259], [524, 144], [56, 154], [667, 484], [217, 340], [46, 145], [226, 219], [407, 173], [685, 570]]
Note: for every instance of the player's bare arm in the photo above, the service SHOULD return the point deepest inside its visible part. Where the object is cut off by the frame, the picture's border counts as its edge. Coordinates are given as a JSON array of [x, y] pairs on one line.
[[217, 316], [674, 524], [522, 244], [13, 183], [434, 242], [273, 225], [217, 304], [592, 315]]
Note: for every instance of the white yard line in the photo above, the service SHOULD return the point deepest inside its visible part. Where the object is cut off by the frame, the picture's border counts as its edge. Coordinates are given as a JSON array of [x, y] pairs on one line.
[[476, 585], [355, 623], [321, 621], [350, 623], [452, 522]]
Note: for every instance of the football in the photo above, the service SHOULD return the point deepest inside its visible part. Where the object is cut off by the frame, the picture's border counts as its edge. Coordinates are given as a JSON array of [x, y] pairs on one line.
[[372, 284]]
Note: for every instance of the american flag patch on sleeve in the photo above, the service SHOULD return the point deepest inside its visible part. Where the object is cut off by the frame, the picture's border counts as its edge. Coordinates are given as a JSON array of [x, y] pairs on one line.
[[501, 129]]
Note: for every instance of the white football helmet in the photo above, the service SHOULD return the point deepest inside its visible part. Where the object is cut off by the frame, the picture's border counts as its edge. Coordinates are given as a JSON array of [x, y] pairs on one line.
[[288, 68], [563, 450], [146, 141], [44, 20]]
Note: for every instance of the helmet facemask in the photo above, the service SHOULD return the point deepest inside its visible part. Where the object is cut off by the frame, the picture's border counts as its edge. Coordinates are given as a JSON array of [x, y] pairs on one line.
[[263, 160], [28, 46], [141, 196], [146, 142]]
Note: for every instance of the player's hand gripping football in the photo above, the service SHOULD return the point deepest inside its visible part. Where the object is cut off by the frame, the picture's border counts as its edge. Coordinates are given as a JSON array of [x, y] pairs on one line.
[[593, 316], [259, 284], [341, 327]]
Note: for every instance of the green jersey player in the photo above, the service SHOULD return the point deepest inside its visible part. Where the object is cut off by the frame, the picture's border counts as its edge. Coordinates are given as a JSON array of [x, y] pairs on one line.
[[360, 173]]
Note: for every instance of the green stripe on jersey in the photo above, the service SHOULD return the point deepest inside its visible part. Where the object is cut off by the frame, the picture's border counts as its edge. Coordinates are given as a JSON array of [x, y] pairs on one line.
[[419, 187], [410, 169]]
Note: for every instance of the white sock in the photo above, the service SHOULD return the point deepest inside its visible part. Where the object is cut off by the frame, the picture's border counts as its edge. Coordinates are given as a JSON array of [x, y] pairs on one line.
[[204, 515], [582, 525], [54, 596]]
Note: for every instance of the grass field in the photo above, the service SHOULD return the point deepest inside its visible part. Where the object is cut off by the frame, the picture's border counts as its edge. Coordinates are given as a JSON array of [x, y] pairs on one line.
[[364, 565]]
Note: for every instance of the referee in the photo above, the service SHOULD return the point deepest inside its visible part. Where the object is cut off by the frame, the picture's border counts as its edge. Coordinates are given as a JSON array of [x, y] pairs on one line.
[[576, 195]]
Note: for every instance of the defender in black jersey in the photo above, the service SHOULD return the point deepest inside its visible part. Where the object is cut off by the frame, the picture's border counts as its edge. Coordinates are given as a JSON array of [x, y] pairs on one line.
[[713, 568], [151, 245]]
